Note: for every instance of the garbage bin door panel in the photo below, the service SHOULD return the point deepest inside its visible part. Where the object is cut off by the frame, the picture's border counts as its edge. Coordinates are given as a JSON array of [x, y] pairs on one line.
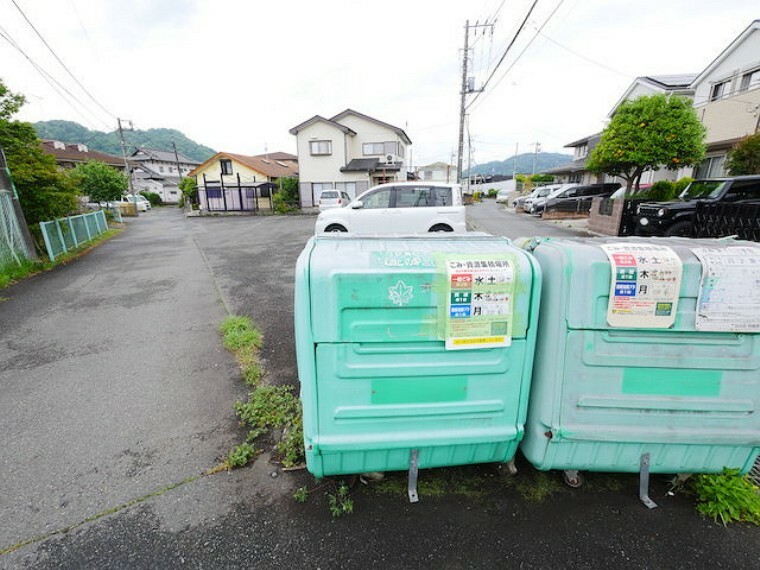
[[393, 290], [587, 277], [390, 394], [660, 386]]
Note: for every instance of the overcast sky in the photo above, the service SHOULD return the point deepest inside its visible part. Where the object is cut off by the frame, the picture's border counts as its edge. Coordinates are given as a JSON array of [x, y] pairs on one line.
[[237, 75]]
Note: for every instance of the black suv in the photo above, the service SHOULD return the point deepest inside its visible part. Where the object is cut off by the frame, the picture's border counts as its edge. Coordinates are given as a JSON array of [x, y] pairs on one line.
[[675, 218], [578, 199]]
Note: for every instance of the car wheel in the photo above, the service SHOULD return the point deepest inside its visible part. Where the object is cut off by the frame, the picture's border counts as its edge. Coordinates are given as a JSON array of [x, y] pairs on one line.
[[335, 228], [441, 228], [679, 229]]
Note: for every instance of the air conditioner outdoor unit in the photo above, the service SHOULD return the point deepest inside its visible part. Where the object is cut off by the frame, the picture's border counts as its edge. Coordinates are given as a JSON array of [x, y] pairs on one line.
[[389, 158]]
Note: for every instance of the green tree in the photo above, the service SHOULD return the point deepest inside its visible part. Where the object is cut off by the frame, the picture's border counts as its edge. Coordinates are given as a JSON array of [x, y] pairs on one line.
[[650, 132], [189, 189], [43, 191], [102, 183], [744, 158]]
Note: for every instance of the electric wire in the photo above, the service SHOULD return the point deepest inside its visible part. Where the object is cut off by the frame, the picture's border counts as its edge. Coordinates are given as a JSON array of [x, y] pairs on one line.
[[55, 55], [511, 65], [52, 81], [504, 55]]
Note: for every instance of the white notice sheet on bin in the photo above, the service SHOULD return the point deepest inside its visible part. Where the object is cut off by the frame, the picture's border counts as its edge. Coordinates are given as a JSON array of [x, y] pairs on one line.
[[729, 295], [646, 282]]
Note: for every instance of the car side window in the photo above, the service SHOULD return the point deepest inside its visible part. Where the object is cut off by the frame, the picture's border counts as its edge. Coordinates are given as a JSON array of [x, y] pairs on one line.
[[443, 197], [377, 199], [744, 191], [414, 196]]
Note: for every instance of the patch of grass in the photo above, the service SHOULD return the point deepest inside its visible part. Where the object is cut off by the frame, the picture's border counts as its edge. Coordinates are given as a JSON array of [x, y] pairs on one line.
[[240, 334], [728, 497], [435, 483], [14, 272], [537, 486], [267, 408]]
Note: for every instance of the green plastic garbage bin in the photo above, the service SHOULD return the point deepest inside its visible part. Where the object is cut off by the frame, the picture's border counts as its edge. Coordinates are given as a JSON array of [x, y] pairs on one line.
[[648, 356], [413, 350]]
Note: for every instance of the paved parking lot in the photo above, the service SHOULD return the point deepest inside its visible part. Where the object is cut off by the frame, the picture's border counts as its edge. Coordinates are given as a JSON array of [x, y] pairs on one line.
[[115, 387]]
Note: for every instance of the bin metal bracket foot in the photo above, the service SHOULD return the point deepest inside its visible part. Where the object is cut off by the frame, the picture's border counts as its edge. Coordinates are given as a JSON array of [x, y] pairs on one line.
[[414, 464], [644, 482]]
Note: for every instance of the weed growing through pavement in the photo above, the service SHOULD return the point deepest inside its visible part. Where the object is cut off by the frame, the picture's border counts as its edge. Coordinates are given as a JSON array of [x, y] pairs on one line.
[[301, 495], [268, 408], [728, 497], [340, 503]]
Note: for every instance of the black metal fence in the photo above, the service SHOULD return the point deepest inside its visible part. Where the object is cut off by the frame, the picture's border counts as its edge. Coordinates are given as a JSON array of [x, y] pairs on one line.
[[727, 219], [216, 196], [576, 206], [628, 217]]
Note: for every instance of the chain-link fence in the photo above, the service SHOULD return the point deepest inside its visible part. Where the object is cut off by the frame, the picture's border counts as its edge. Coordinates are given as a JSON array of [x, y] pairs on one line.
[[13, 246], [64, 234]]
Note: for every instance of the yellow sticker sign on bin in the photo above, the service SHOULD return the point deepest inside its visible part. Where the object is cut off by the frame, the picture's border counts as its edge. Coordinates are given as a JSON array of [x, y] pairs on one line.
[[479, 294]]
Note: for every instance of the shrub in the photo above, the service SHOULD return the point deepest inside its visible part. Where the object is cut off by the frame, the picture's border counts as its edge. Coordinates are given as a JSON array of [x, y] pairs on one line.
[[492, 192], [477, 196], [662, 190], [153, 198], [728, 496], [682, 183]]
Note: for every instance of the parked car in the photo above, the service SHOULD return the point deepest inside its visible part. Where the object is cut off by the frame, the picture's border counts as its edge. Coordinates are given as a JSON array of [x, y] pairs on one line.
[[143, 205], [502, 196], [537, 194], [333, 199], [536, 205], [578, 199], [399, 208], [675, 217], [620, 193]]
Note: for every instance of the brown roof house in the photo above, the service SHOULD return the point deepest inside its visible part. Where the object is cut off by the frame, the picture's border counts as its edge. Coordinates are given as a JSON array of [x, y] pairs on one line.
[[229, 182], [68, 155]]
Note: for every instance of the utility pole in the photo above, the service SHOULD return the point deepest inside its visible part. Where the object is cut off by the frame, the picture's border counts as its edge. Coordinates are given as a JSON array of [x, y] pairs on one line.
[[536, 150], [176, 158], [514, 161], [126, 162], [463, 94], [467, 87]]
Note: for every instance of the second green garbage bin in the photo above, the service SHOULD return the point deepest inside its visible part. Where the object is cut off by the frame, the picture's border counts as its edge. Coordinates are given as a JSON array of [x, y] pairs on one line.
[[648, 356], [413, 350]]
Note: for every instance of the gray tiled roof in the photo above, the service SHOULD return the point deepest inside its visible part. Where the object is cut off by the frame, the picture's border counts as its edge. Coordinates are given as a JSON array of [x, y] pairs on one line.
[[674, 81], [369, 165], [164, 155]]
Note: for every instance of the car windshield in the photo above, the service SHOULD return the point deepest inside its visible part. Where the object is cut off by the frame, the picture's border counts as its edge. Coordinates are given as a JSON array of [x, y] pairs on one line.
[[703, 189], [544, 192]]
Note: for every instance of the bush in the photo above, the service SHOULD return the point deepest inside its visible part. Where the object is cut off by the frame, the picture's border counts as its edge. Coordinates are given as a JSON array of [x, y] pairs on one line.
[[477, 196], [728, 497], [662, 190], [682, 183], [153, 198], [492, 192]]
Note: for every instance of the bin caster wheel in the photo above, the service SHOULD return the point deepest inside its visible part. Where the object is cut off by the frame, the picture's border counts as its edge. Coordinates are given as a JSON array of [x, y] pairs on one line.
[[573, 479]]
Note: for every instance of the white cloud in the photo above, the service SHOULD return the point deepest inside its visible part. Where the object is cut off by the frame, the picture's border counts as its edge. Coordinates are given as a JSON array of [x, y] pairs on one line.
[[237, 75]]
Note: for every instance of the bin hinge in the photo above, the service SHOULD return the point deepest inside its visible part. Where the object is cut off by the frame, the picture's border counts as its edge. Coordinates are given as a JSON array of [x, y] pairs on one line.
[[414, 464], [644, 482]]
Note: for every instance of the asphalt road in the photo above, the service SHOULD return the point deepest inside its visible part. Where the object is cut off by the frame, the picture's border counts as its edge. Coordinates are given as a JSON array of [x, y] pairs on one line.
[[115, 387], [498, 220]]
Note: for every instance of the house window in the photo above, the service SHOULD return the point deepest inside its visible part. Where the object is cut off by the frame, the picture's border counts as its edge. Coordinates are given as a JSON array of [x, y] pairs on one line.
[[750, 80], [373, 148], [317, 148], [226, 165], [711, 167], [160, 168], [581, 152], [719, 91]]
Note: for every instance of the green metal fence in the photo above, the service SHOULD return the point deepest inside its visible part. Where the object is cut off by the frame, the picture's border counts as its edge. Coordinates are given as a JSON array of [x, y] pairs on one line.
[[13, 247], [64, 234]]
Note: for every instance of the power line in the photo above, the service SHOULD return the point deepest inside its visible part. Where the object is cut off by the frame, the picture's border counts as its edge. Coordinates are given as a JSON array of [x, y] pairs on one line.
[[580, 55], [55, 55], [506, 51], [52, 81], [511, 65]]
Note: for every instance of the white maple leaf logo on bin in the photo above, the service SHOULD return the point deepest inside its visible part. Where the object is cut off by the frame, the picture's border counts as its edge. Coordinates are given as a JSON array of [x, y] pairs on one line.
[[400, 294]]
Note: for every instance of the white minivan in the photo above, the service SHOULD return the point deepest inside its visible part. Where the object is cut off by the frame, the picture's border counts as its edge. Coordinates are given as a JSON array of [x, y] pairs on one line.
[[399, 208]]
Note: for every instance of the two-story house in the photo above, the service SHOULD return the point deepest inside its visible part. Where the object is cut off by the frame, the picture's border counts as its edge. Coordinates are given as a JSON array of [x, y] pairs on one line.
[[160, 171], [727, 98], [69, 155], [437, 172], [349, 152]]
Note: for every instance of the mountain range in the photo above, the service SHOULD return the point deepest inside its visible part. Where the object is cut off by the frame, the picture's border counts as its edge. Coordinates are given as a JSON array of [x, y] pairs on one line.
[[521, 164], [159, 139]]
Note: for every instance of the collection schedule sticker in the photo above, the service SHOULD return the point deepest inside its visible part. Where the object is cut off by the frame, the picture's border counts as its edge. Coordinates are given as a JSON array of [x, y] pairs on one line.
[[729, 294], [645, 285], [479, 299]]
